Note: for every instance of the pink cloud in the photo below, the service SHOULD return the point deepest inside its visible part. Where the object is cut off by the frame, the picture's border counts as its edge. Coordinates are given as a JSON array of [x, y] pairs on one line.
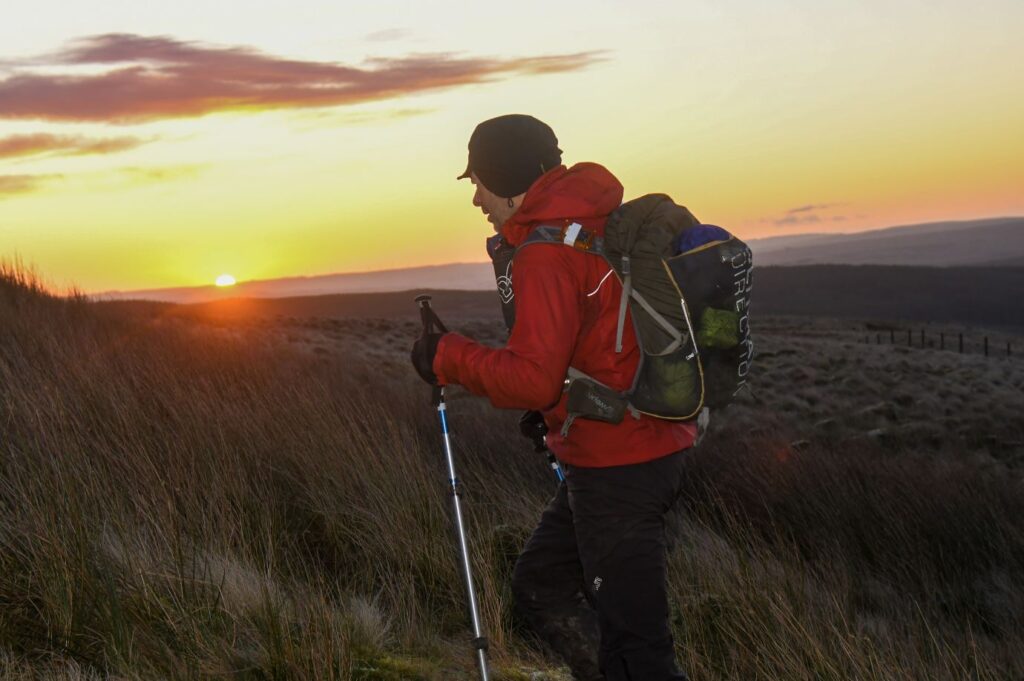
[[36, 144], [159, 77]]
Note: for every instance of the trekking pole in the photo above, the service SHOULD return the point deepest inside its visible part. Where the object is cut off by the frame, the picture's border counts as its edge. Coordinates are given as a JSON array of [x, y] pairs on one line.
[[532, 425], [430, 321], [542, 448]]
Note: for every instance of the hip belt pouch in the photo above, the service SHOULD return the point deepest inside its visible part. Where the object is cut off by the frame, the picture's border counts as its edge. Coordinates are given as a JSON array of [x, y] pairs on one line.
[[589, 399]]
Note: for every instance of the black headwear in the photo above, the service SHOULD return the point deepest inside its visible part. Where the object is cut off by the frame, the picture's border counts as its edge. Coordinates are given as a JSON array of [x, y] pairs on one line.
[[509, 153]]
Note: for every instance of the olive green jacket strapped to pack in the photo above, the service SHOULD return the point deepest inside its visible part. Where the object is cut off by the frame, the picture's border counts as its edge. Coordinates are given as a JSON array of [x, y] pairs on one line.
[[687, 286]]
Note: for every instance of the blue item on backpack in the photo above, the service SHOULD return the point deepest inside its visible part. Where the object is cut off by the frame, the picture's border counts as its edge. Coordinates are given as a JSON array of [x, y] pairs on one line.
[[697, 236]]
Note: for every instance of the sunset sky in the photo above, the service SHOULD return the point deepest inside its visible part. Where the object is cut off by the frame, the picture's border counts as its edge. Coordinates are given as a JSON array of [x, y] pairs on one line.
[[148, 145]]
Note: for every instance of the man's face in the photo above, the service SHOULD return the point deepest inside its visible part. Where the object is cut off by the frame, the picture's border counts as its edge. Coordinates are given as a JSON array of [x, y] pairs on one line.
[[494, 207]]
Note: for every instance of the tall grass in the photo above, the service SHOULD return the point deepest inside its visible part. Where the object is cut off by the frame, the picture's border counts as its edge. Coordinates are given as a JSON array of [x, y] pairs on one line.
[[178, 500]]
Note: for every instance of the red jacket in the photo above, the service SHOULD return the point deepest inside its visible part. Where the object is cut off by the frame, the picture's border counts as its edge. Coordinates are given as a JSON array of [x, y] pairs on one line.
[[567, 305]]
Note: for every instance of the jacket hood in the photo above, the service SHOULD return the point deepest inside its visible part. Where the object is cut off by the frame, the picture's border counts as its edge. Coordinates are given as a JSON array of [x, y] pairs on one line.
[[585, 193]]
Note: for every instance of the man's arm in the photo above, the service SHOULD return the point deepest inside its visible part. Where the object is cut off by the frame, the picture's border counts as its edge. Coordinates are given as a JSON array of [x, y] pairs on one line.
[[529, 372]]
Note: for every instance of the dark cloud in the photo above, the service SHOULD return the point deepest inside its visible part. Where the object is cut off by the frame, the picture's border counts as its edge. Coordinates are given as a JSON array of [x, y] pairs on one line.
[[809, 207], [154, 78], [801, 218], [71, 145], [806, 215], [797, 220], [22, 184]]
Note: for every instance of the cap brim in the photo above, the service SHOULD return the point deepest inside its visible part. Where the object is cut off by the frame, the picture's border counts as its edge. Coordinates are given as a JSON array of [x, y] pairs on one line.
[[464, 175]]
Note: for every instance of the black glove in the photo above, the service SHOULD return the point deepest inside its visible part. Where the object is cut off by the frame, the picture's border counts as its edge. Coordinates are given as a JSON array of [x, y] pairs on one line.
[[531, 425], [423, 351]]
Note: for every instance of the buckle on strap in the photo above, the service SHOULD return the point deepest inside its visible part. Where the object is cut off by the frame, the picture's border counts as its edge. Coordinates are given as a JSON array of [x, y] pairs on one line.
[[571, 233], [582, 240]]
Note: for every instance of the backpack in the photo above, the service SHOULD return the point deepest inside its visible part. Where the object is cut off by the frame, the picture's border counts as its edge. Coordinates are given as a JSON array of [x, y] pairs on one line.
[[687, 288]]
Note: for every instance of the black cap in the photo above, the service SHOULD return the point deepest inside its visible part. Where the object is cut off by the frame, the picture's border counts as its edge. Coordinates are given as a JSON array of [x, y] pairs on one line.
[[509, 153]]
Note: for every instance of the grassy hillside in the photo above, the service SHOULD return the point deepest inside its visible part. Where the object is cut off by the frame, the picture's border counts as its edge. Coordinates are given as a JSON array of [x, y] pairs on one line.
[[210, 497]]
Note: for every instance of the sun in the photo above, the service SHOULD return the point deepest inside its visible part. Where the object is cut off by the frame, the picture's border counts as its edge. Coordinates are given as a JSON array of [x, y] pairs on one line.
[[225, 280]]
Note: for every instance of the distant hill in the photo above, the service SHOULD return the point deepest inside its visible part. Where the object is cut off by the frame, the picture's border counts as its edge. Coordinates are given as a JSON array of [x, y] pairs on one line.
[[967, 296], [998, 241], [390, 305], [1009, 262], [973, 296], [457, 276]]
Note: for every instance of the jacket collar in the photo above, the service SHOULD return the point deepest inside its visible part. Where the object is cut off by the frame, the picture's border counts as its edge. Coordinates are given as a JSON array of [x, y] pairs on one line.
[[586, 193]]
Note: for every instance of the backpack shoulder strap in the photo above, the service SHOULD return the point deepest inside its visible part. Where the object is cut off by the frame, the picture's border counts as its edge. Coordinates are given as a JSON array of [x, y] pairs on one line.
[[574, 235], [502, 254]]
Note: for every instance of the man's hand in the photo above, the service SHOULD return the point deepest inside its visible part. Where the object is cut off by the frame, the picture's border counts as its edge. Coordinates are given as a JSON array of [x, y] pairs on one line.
[[423, 351], [531, 425]]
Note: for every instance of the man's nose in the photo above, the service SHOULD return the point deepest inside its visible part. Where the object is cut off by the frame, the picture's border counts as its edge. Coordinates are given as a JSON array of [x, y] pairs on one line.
[[476, 198]]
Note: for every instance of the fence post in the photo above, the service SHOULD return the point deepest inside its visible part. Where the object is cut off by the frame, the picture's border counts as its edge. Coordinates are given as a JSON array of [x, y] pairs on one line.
[[961, 343], [910, 338], [922, 338], [986, 346], [892, 335], [942, 341], [878, 339], [1008, 348]]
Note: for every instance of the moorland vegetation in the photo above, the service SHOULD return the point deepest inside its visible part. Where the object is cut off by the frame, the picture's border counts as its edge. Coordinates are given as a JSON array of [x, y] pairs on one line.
[[187, 499]]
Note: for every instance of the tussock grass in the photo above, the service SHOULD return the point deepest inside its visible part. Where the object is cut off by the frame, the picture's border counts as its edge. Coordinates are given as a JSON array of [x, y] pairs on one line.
[[181, 500]]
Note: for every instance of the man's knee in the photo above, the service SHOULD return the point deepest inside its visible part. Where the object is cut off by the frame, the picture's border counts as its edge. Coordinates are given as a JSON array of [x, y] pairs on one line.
[[527, 588], [540, 592]]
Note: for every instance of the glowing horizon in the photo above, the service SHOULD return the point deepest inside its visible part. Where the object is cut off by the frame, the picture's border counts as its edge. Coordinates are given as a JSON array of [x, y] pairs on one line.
[[143, 149]]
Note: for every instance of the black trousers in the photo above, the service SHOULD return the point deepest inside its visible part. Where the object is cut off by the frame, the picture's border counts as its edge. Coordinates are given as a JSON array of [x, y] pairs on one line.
[[591, 579]]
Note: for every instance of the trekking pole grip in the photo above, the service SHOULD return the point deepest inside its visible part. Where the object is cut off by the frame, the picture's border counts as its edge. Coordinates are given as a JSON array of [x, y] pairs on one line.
[[424, 304], [428, 316], [430, 319]]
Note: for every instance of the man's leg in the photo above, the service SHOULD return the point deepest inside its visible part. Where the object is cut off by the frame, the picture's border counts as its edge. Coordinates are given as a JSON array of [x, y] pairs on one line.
[[547, 584], [619, 516]]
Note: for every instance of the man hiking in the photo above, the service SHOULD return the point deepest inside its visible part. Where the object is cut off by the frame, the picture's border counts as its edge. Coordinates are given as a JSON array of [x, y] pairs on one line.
[[591, 579]]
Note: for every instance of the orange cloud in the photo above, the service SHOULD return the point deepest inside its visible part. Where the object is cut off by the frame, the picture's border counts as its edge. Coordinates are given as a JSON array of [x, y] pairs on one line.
[[17, 146], [159, 77], [22, 184]]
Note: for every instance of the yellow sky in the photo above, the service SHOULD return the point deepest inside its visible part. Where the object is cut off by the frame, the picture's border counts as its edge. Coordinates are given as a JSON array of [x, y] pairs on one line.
[[869, 113]]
